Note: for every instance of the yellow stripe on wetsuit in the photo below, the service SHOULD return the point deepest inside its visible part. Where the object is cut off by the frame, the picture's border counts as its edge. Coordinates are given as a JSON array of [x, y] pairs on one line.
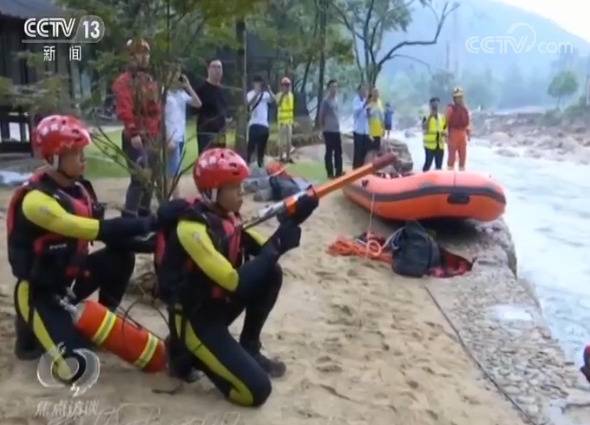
[[40, 331], [46, 212], [196, 242], [239, 393], [260, 240]]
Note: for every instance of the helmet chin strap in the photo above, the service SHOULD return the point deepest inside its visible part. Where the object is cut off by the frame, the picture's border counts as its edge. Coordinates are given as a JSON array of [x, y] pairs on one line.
[[54, 163]]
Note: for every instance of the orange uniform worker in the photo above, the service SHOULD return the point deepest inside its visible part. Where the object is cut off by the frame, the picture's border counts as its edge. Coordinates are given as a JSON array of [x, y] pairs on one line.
[[458, 122]]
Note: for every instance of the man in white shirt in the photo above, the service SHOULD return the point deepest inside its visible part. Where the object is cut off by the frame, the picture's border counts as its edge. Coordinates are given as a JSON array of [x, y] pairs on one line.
[[258, 100], [179, 94], [361, 126]]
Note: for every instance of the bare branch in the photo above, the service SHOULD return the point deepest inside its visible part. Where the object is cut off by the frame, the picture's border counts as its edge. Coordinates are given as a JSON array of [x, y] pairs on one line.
[[426, 64], [343, 18], [445, 13]]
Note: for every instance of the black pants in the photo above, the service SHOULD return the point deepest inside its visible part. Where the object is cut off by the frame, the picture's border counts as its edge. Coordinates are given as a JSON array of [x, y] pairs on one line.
[[139, 194], [433, 154], [361, 146], [257, 140], [207, 139], [333, 156], [224, 360], [374, 144], [41, 321]]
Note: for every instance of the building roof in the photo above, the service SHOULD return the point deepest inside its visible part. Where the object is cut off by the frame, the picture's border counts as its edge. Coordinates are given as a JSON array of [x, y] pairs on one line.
[[23, 9]]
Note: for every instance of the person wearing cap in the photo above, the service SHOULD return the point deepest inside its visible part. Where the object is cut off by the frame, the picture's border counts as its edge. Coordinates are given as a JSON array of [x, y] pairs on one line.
[[434, 128], [138, 107], [212, 115], [285, 119], [458, 122]]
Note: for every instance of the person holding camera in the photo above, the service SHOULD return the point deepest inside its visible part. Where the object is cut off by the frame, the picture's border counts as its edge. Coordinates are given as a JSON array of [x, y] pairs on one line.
[[258, 100], [179, 94]]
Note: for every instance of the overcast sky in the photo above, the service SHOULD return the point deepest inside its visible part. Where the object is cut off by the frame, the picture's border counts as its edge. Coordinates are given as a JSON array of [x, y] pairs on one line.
[[570, 14]]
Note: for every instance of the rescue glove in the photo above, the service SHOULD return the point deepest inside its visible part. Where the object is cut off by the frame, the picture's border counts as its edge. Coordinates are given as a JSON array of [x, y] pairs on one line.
[[286, 237], [170, 212], [305, 205]]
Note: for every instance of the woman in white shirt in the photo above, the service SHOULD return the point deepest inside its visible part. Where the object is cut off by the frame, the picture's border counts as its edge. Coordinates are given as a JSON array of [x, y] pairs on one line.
[[179, 94], [258, 100]]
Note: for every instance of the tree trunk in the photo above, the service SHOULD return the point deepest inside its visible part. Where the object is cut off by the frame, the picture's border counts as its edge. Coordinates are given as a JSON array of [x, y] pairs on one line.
[[323, 24], [242, 63]]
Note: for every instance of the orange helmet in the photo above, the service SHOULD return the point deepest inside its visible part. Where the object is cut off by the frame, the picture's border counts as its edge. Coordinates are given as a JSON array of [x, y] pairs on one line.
[[137, 45], [275, 168]]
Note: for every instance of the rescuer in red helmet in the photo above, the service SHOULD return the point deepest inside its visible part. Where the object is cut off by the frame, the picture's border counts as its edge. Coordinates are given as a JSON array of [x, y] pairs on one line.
[[212, 270], [138, 107], [50, 221]]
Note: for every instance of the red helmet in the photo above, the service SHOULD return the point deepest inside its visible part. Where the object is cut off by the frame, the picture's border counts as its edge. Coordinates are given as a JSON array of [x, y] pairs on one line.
[[218, 167], [56, 134]]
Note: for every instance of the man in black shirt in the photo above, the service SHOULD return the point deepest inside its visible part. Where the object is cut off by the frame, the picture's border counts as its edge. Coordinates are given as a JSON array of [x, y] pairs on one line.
[[213, 112]]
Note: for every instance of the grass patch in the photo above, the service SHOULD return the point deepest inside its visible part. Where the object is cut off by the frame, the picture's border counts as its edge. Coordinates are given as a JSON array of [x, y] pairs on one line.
[[97, 166], [313, 171]]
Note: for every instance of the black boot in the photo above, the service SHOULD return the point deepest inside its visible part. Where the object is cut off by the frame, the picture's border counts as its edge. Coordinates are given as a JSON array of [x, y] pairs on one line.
[[180, 364], [26, 346], [275, 368]]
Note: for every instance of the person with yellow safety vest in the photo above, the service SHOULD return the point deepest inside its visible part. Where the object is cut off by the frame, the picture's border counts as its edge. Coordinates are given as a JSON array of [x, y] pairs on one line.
[[285, 119], [50, 221], [434, 128], [212, 270], [376, 119]]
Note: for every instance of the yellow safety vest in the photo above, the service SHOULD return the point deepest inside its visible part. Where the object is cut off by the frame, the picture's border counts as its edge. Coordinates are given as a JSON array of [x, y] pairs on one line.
[[434, 130], [285, 114], [376, 120]]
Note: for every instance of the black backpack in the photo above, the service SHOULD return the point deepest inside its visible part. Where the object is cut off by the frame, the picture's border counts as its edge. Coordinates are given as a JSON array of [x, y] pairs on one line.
[[414, 251]]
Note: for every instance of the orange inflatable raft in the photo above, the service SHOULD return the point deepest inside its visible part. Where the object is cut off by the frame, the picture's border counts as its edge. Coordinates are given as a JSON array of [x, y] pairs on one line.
[[435, 194]]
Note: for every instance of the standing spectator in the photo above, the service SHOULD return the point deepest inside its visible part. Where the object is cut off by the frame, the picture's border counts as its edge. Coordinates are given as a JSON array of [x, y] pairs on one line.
[[376, 115], [388, 120], [212, 114], [179, 94], [258, 99], [331, 128], [435, 129], [138, 106], [459, 132], [285, 118], [361, 126]]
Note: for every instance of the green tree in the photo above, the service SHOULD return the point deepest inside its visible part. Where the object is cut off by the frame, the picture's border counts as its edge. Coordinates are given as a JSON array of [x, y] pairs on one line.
[[563, 84]]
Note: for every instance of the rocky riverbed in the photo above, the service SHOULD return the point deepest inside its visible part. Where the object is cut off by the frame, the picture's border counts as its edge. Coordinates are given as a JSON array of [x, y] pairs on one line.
[[534, 135]]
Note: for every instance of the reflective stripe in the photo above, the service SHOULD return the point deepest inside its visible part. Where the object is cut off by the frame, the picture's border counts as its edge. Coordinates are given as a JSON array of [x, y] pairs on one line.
[[148, 352], [105, 328]]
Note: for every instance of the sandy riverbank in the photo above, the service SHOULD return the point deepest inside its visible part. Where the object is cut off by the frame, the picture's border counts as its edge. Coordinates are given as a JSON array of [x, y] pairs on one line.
[[363, 345]]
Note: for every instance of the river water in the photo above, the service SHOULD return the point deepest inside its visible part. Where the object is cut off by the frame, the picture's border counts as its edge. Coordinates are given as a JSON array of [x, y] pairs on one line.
[[548, 212]]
